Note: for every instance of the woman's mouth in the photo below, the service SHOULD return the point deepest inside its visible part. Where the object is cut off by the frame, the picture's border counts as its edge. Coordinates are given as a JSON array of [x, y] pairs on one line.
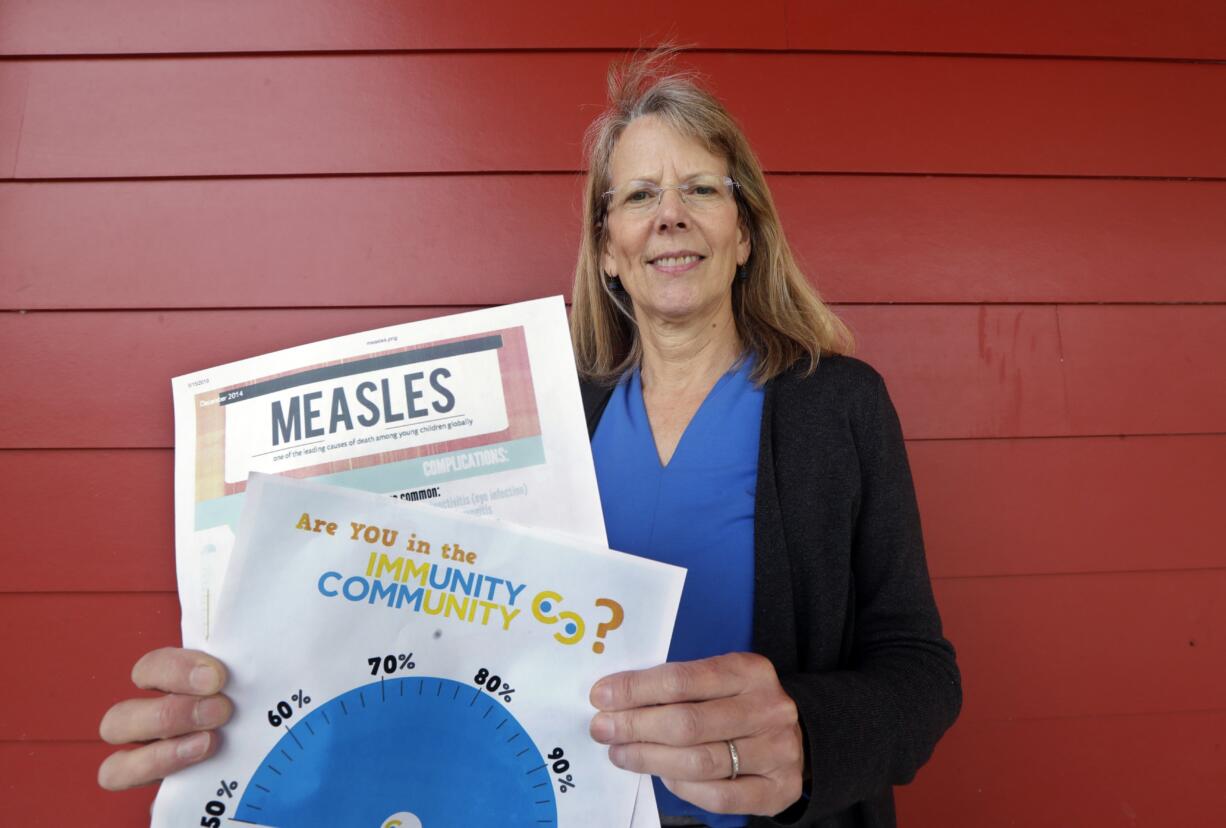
[[675, 263]]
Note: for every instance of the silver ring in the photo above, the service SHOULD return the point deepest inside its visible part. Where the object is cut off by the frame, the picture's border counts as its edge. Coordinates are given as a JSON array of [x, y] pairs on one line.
[[736, 759]]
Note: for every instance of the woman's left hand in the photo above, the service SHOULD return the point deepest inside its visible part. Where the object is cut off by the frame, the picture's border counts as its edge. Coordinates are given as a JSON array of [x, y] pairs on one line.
[[675, 721]]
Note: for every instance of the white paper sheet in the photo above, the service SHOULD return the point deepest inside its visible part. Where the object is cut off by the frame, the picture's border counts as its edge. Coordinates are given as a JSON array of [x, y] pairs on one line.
[[478, 412], [395, 666]]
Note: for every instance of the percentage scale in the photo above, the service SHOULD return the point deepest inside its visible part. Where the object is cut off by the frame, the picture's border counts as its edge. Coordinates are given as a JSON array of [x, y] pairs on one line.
[[446, 752]]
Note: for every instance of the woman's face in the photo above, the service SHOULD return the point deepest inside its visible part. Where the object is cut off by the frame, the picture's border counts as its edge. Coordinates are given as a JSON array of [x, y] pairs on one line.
[[676, 261]]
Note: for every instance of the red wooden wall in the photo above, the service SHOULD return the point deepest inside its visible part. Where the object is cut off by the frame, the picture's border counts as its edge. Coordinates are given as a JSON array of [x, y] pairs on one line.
[[1019, 207]]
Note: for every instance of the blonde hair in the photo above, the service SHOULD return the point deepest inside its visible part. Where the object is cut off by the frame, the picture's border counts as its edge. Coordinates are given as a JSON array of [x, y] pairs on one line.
[[779, 316]]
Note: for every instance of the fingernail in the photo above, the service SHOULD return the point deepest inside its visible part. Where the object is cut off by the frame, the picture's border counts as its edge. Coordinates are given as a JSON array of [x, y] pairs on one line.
[[193, 747], [602, 728], [615, 755], [204, 679], [602, 694], [210, 712]]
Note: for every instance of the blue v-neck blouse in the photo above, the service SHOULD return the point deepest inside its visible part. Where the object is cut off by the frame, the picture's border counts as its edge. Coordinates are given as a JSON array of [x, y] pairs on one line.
[[695, 512]]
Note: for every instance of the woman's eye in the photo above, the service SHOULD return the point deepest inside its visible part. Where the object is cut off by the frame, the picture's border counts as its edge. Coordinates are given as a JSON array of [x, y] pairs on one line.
[[704, 190], [638, 197]]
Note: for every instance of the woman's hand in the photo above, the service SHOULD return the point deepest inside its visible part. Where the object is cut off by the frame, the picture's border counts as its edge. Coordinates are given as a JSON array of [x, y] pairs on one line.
[[178, 726], [675, 721]]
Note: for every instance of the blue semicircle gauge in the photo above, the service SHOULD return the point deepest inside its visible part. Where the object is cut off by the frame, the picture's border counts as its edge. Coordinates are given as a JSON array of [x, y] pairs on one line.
[[446, 752]]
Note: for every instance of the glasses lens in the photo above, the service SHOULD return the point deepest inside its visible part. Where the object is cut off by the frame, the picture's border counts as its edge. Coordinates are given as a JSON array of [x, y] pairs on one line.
[[638, 196], [641, 197], [705, 191]]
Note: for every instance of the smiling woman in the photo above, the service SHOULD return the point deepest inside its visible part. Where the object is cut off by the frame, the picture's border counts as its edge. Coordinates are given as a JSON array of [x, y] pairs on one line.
[[732, 435]]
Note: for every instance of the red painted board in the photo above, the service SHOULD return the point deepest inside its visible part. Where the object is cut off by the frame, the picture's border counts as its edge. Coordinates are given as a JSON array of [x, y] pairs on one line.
[[966, 379], [51, 784], [1095, 504], [289, 242], [1099, 772], [953, 371], [412, 240], [453, 112], [14, 84], [1142, 28], [954, 239], [1139, 28], [966, 371], [990, 507], [121, 533], [1048, 646], [1029, 647], [1161, 371], [162, 26]]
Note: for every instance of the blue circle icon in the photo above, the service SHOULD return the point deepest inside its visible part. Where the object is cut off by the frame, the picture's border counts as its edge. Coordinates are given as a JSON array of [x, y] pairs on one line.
[[442, 751]]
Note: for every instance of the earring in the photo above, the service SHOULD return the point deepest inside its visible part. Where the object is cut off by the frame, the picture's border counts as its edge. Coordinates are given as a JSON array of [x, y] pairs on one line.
[[614, 283], [742, 272]]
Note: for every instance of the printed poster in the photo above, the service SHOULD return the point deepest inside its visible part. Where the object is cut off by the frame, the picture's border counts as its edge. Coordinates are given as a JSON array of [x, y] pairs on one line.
[[477, 412], [417, 668]]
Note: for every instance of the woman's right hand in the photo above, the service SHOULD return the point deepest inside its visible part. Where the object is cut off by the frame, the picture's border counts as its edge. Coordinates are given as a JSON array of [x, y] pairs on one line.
[[179, 728]]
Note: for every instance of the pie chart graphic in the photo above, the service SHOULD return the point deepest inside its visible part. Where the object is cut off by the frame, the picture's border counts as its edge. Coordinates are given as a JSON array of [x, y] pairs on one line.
[[425, 749]]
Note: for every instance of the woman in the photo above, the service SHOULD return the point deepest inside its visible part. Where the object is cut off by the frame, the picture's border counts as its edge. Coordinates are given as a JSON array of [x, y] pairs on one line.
[[807, 673]]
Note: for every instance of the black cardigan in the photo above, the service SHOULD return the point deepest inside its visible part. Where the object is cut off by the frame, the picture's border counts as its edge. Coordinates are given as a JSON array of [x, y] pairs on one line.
[[843, 606]]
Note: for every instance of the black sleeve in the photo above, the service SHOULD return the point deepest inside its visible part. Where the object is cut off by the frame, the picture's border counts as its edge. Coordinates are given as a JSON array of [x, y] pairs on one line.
[[875, 722]]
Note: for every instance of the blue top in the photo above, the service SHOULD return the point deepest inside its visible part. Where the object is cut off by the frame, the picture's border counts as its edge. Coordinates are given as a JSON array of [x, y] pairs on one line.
[[696, 512]]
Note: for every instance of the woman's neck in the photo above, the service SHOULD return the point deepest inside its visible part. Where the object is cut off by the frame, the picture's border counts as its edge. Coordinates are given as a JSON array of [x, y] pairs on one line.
[[689, 356]]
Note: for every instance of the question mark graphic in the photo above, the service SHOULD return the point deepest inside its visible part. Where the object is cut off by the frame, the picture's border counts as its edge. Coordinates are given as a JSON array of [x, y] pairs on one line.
[[608, 626]]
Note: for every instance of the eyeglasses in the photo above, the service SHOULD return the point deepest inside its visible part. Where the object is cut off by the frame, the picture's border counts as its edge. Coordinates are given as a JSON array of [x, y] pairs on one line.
[[641, 198]]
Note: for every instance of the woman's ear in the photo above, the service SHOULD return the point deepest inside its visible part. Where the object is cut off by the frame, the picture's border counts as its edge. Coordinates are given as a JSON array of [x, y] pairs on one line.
[[607, 264]]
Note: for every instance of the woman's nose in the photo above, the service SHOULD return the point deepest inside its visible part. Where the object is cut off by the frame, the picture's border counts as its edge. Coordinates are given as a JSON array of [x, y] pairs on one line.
[[672, 211]]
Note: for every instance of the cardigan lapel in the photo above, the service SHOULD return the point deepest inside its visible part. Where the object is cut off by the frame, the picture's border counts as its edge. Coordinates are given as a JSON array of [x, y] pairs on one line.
[[774, 621]]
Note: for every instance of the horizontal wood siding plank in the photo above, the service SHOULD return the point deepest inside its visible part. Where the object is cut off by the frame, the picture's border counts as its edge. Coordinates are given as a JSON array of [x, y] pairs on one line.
[[1139, 28], [1029, 647], [60, 27], [121, 536], [14, 85], [1111, 772], [954, 371], [1088, 645], [415, 240], [1097, 504], [1148, 369], [990, 508], [469, 113]]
